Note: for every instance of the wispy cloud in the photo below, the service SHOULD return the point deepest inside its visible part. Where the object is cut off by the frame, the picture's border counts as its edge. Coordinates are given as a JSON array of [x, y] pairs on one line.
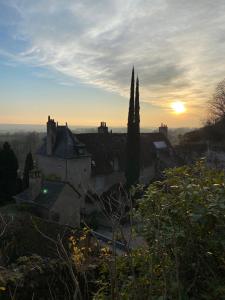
[[177, 46]]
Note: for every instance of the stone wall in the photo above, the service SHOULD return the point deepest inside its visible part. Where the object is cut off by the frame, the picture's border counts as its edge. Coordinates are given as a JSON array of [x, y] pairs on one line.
[[67, 207], [77, 171], [101, 183]]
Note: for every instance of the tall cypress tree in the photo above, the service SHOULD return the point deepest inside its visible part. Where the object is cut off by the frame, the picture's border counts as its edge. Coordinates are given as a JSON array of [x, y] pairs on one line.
[[137, 131], [130, 125], [137, 108], [133, 136], [129, 172]]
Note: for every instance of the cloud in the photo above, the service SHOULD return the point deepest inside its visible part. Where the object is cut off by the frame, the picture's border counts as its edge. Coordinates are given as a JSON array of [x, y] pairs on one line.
[[177, 46]]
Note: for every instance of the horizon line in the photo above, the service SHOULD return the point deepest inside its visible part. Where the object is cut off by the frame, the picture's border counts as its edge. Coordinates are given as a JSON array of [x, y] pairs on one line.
[[88, 126]]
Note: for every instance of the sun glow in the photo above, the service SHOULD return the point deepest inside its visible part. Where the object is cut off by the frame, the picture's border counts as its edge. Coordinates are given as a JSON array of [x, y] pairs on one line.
[[178, 107]]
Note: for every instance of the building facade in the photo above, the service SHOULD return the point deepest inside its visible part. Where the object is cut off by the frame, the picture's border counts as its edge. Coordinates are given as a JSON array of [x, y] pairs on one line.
[[96, 161]]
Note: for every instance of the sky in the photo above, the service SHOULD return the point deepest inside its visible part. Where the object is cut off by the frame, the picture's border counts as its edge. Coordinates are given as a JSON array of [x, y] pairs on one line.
[[72, 59]]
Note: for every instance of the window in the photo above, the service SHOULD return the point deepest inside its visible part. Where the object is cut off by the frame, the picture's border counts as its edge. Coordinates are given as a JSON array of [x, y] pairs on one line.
[[160, 145]]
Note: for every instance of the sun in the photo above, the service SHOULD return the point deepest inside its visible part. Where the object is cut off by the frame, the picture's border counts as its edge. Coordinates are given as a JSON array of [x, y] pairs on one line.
[[178, 107]]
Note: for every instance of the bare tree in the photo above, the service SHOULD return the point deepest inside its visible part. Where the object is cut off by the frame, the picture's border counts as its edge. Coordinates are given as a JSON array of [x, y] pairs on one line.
[[217, 103], [64, 256], [117, 207]]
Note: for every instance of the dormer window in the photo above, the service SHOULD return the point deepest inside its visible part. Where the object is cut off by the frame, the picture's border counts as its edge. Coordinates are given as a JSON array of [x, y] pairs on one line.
[[160, 145]]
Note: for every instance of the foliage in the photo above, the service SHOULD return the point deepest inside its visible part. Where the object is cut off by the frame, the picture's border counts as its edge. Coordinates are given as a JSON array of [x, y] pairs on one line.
[[33, 277], [63, 264], [132, 171], [183, 221], [25, 233], [8, 172], [81, 249], [217, 103], [92, 220], [36, 277]]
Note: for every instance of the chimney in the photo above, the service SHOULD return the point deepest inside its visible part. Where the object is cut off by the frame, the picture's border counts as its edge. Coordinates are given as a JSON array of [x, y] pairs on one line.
[[163, 129], [51, 135], [103, 128]]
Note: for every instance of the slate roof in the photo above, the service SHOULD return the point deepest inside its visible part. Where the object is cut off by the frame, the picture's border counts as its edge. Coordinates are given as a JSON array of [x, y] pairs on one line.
[[104, 148], [67, 145], [49, 194]]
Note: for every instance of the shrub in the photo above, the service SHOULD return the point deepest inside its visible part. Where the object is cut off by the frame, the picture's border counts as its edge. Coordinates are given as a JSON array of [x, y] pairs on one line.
[[184, 222]]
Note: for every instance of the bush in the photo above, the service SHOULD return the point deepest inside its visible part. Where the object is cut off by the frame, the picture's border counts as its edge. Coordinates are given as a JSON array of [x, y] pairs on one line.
[[184, 222]]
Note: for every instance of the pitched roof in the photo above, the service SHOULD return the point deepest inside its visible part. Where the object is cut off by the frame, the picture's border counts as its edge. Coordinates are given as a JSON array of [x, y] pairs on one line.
[[49, 194], [23, 196], [105, 148], [67, 145]]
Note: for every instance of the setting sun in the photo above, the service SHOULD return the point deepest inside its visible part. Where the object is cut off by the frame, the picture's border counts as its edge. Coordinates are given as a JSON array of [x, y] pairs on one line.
[[178, 107]]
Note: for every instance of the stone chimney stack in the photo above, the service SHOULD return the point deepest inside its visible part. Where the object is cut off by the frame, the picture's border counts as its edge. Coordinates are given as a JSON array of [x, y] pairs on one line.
[[163, 129], [103, 128], [51, 135]]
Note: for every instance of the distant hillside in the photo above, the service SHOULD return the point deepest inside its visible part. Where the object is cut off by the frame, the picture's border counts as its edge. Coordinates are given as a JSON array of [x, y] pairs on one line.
[[197, 143], [15, 128], [214, 133], [174, 134]]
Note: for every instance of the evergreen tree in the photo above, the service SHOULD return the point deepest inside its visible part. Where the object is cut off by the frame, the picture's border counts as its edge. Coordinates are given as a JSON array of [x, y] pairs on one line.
[[137, 131], [129, 172], [29, 165], [8, 172], [130, 125], [133, 136]]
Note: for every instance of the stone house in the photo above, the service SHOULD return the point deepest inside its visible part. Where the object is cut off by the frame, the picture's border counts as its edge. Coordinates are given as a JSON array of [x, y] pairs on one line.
[[75, 165], [57, 201], [63, 157], [96, 161]]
